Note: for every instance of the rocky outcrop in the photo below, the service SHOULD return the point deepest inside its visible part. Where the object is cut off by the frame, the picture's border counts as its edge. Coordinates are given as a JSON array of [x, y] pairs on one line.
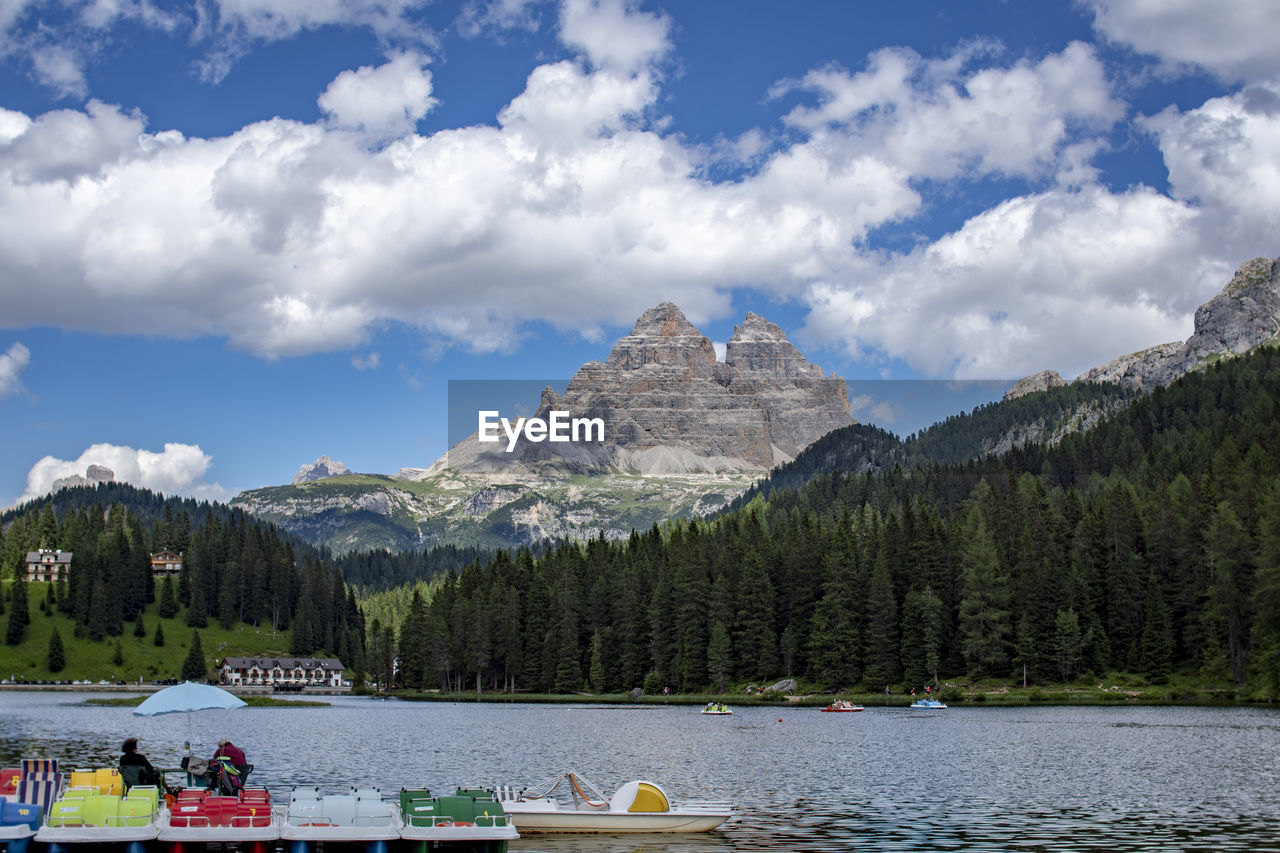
[[93, 475], [1245, 315], [670, 408], [319, 470], [1042, 381]]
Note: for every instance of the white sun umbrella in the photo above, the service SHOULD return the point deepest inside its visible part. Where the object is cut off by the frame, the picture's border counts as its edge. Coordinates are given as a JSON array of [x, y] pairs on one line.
[[187, 697]]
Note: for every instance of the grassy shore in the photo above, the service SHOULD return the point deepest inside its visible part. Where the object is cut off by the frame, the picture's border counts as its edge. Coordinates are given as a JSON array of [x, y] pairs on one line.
[[1120, 690]]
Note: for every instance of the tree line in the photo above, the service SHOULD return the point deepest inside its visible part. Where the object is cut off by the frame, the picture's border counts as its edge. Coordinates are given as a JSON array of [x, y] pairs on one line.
[[1150, 544]]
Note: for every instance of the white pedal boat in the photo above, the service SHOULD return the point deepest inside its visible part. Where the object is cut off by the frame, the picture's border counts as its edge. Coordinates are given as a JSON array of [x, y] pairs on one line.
[[637, 806]]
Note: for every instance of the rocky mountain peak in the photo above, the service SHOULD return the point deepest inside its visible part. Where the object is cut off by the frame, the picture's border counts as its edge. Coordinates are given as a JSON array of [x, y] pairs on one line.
[[663, 336], [1244, 315], [759, 350], [1042, 381], [93, 475], [319, 470]]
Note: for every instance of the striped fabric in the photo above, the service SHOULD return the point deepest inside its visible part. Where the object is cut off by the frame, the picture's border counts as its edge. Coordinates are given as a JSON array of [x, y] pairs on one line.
[[39, 765], [40, 789]]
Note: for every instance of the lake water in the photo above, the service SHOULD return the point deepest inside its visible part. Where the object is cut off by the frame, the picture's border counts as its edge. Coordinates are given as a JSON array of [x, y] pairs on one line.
[[1112, 778]]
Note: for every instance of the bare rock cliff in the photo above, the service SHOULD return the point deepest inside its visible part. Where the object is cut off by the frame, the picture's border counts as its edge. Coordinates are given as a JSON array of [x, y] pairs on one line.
[[1243, 316]]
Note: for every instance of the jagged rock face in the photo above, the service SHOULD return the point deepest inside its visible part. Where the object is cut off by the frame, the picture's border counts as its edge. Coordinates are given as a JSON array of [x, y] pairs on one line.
[[93, 475], [1042, 381], [1245, 315], [319, 470], [662, 388]]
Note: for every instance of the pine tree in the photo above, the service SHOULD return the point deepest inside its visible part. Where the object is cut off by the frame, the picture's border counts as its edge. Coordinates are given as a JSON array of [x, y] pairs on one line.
[[719, 660], [118, 657], [168, 601], [1157, 636], [158, 640], [1067, 642], [139, 627], [197, 613], [19, 616], [57, 659], [921, 636], [984, 613], [193, 668], [882, 652]]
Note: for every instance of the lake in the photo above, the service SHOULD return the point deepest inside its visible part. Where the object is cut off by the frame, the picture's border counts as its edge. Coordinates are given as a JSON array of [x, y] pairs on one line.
[[1038, 778]]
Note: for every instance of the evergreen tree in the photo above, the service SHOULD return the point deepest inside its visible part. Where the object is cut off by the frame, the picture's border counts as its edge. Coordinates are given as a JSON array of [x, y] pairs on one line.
[[1157, 636], [921, 636], [19, 616], [984, 614], [118, 657], [719, 660], [158, 640], [1067, 643], [596, 667], [57, 658], [168, 601], [194, 668], [197, 612], [139, 627], [882, 661]]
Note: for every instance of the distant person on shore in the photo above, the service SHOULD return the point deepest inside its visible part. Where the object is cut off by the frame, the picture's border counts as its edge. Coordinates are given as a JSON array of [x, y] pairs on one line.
[[135, 769]]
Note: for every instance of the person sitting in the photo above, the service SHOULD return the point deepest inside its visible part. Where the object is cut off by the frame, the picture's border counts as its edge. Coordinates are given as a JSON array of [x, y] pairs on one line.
[[135, 769], [228, 767]]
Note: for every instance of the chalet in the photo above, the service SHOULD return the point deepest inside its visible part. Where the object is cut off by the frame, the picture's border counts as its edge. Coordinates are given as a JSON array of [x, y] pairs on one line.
[[165, 564], [43, 565], [289, 672]]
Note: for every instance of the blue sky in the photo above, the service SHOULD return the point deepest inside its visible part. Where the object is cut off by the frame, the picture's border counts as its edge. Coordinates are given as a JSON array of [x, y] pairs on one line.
[[239, 234]]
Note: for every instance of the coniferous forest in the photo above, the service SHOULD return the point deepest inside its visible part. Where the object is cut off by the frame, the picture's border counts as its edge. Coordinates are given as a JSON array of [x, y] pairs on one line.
[[235, 570], [1148, 545]]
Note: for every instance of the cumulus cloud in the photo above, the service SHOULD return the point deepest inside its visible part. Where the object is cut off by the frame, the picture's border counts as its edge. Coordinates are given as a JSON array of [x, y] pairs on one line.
[[1062, 279], [383, 102], [233, 27], [12, 363], [177, 470], [1225, 156], [944, 118], [289, 238], [1233, 39]]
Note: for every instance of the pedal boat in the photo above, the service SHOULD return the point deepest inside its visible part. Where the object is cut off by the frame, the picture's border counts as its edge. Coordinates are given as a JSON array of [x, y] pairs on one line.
[[199, 816], [928, 705], [472, 820], [842, 706], [360, 816], [637, 806]]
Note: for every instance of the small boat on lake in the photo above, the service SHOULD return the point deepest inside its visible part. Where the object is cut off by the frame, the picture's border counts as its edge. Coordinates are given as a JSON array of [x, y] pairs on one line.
[[637, 806], [928, 704], [842, 706], [717, 709]]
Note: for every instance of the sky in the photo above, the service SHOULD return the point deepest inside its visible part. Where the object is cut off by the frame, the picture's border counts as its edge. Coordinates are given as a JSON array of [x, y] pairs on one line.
[[239, 234]]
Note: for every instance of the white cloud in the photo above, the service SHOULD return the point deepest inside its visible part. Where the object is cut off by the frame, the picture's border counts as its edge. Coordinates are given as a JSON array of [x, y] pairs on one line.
[[1234, 39], [368, 361], [614, 34], [483, 16], [1225, 156], [866, 409], [944, 119], [233, 27], [1061, 279], [59, 67], [290, 238], [384, 102], [178, 470], [12, 363]]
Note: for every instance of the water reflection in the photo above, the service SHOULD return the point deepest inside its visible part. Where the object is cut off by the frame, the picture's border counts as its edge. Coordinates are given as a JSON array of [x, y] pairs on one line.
[[1113, 779]]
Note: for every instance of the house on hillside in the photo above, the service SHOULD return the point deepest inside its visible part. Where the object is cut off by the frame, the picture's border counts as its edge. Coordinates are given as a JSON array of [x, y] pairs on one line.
[[283, 672], [43, 565], [165, 564]]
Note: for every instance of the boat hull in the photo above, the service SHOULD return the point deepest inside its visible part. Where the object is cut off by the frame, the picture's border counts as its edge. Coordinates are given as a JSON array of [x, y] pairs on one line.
[[565, 820]]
